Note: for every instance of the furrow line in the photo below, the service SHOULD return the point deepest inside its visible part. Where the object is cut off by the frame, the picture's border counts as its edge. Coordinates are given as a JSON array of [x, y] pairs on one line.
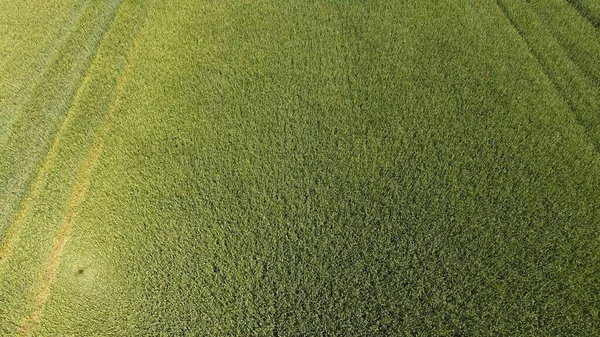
[[547, 71], [594, 21], [532, 51], [14, 228], [585, 73], [50, 54], [49, 272]]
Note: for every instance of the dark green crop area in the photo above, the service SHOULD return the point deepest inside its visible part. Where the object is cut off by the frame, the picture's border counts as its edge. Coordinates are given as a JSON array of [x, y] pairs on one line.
[[300, 168]]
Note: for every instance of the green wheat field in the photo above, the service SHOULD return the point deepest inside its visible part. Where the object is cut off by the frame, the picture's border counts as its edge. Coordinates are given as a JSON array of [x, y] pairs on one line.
[[299, 168]]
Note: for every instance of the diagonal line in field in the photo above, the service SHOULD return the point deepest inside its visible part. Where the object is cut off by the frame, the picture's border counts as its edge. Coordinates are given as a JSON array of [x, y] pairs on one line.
[[49, 272], [50, 55], [532, 51], [594, 21], [547, 71], [15, 226]]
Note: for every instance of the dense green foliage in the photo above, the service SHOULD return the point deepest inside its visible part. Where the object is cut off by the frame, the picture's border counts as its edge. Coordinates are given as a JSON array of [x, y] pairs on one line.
[[37, 90], [300, 168]]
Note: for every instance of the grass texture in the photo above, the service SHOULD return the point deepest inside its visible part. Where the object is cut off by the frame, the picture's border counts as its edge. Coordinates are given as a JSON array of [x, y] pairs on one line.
[[300, 168]]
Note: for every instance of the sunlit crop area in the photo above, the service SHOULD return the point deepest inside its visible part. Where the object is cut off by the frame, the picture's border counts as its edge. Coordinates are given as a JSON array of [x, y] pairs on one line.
[[300, 168]]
